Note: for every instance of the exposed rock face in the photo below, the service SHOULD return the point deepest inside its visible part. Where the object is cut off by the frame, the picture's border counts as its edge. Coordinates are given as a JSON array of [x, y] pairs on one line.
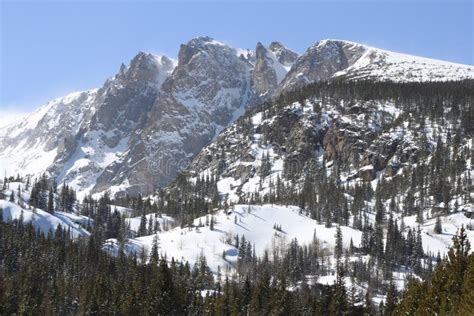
[[121, 108], [209, 84], [271, 65], [321, 62], [350, 142], [264, 78], [128, 97], [343, 138], [147, 122], [285, 56]]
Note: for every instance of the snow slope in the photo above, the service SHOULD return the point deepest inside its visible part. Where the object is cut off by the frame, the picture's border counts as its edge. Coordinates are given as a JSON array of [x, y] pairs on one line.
[[41, 220], [257, 226], [29, 145], [383, 65], [44, 221]]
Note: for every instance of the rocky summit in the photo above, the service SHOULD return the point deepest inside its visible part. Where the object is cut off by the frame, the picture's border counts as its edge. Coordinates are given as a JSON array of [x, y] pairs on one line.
[[149, 121]]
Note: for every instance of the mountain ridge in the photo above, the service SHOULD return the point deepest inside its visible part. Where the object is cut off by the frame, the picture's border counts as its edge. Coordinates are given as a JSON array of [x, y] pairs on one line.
[[192, 98]]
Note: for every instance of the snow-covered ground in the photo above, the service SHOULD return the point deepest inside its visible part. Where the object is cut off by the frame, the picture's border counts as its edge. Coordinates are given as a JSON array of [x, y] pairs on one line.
[[434, 243], [188, 244], [163, 220], [44, 221], [41, 220], [387, 65]]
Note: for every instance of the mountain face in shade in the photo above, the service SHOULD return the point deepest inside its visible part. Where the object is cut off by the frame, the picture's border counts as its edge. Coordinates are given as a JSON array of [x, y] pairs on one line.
[[271, 65], [208, 88], [146, 123]]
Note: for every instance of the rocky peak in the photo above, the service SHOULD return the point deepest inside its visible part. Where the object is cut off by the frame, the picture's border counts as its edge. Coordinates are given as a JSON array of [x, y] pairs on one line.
[[146, 68], [129, 95], [284, 55], [271, 65], [196, 46], [321, 61], [202, 95], [264, 77], [208, 74]]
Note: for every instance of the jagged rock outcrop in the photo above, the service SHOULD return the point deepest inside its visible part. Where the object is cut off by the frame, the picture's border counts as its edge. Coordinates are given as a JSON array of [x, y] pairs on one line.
[[285, 56], [208, 86], [147, 122], [349, 139], [271, 65], [321, 62]]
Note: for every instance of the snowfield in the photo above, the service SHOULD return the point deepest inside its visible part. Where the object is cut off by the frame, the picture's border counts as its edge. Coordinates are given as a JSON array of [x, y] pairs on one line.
[[44, 221], [188, 244], [383, 65]]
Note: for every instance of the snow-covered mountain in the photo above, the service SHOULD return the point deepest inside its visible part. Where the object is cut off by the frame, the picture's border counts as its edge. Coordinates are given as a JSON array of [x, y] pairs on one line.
[[21, 210], [371, 158], [271, 65], [146, 123], [338, 58]]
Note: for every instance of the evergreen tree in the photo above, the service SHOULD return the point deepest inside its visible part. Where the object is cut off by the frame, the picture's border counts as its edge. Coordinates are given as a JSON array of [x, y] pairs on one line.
[[211, 225], [50, 208], [438, 229], [391, 301], [142, 230], [450, 285], [338, 243]]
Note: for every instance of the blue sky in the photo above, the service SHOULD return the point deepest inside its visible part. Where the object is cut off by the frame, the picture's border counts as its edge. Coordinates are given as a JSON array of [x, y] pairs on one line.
[[51, 48]]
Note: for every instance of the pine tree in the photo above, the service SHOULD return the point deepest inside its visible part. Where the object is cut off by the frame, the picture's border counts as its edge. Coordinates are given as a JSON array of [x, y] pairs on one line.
[[466, 305], [18, 194], [391, 301], [154, 257], [338, 247], [438, 229], [445, 293], [142, 230], [50, 208]]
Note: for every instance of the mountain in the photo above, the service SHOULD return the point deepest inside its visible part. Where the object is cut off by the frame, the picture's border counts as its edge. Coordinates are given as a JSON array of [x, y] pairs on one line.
[[338, 58], [329, 185], [271, 66], [146, 123], [387, 163], [359, 132], [206, 91]]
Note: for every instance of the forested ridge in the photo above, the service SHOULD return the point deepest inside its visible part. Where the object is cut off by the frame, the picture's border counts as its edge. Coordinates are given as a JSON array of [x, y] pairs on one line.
[[54, 275], [51, 275], [428, 182]]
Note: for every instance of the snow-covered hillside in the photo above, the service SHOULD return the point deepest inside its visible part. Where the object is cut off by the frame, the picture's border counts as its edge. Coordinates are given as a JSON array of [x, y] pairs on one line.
[[43, 221], [268, 227], [30, 146], [331, 58], [381, 64], [146, 123], [254, 223]]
